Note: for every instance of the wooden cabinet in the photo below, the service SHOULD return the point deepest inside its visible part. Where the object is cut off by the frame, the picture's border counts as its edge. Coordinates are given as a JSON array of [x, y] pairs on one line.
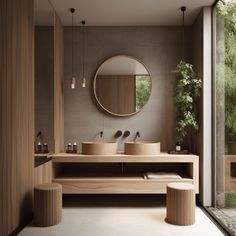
[[121, 174]]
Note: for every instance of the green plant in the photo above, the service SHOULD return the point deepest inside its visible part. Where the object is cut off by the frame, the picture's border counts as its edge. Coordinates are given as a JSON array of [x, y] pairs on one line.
[[226, 64], [143, 90], [188, 89], [230, 199]]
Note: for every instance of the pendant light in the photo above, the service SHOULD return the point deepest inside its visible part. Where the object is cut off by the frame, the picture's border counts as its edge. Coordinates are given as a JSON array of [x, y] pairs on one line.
[[83, 55], [73, 80], [183, 9]]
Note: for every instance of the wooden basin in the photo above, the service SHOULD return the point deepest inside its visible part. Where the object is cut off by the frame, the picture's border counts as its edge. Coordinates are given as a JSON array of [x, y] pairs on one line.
[[99, 148], [142, 148]]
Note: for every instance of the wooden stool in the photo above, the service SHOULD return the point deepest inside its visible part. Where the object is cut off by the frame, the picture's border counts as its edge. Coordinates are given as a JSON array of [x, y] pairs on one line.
[[47, 204], [180, 203]]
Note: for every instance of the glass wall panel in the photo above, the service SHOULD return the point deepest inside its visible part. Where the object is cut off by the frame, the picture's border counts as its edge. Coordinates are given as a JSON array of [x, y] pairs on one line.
[[225, 113]]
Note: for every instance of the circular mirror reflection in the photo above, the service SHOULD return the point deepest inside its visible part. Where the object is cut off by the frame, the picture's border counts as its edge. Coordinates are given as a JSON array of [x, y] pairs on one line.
[[122, 85]]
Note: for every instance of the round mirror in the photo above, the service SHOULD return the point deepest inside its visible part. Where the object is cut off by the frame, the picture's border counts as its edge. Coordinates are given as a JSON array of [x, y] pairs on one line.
[[122, 85]]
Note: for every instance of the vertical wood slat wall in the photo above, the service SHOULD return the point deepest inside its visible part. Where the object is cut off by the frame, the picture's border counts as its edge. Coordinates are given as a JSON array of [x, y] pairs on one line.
[[17, 113], [58, 85]]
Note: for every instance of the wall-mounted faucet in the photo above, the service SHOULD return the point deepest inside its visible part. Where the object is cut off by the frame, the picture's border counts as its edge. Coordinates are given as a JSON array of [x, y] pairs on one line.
[[101, 134], [39, 134], [118, 134], [137, 135], [126, 134]]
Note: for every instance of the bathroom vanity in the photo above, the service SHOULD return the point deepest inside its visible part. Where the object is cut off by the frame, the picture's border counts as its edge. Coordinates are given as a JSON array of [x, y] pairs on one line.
[[121, 173]]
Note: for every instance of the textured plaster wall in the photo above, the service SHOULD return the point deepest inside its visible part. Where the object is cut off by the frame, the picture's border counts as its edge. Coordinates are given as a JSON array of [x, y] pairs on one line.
[[159, 48]]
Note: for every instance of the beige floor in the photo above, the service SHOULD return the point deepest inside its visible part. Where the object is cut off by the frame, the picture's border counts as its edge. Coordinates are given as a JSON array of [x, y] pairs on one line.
[[121, 221]]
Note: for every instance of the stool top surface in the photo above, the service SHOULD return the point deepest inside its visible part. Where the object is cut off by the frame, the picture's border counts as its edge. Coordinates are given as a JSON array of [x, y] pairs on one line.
[[48, 186], [181, 186]]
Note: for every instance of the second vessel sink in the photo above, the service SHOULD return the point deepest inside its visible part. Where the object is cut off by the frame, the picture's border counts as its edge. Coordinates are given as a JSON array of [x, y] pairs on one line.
[[99, 148], [142, 148]]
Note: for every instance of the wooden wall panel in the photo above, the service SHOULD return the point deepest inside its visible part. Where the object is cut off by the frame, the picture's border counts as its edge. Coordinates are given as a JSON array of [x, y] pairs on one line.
[[17, 113], [58, 86], [117, 93]]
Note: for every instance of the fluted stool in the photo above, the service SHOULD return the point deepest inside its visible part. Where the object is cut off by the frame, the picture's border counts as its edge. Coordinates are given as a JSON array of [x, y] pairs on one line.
[[180, 203], [47, 204]]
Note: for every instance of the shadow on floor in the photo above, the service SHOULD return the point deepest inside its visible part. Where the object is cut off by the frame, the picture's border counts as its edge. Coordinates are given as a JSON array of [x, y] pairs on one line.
[[122, 200]]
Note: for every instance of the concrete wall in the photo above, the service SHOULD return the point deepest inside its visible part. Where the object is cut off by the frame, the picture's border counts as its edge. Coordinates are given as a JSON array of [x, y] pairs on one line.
[[159, 48]]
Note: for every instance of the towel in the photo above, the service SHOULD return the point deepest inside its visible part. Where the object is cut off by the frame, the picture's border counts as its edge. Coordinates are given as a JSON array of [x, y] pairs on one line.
[[161, 175]]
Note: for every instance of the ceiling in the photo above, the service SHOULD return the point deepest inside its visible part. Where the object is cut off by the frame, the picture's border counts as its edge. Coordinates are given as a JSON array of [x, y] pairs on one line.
[[125, 12]]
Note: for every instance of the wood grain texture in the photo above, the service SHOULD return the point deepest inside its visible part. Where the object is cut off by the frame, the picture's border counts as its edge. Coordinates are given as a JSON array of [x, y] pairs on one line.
[[101, 184], [47, 204], [43, 173], [58, 85], [180, 204], [99, 148], [17, 113], [117, 93], [114, 185]]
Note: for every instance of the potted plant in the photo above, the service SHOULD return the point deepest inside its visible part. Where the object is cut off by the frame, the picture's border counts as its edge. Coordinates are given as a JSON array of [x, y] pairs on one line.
[[188, 89]]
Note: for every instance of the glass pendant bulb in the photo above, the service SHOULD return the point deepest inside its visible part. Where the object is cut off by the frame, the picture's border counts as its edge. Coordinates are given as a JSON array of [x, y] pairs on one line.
[[84, 82], [72, 84]]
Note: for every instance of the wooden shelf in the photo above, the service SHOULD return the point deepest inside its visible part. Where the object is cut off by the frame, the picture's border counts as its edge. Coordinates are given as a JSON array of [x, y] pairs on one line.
[[115, 185], [75, 182]]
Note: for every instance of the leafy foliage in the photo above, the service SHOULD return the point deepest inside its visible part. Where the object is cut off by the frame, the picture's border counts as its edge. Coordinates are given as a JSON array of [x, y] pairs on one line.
[[187, 90], [226, 67], [143, 90]]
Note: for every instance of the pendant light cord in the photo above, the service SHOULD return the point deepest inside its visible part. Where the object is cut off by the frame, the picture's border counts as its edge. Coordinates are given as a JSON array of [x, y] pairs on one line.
[[83, 48], [183, 9], [72, 39]]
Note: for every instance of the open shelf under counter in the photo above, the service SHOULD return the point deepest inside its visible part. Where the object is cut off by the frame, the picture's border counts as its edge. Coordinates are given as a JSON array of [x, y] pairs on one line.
[[121, 174], [115, 184]]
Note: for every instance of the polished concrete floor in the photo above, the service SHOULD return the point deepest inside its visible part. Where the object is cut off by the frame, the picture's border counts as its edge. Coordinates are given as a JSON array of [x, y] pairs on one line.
[[120, 216]]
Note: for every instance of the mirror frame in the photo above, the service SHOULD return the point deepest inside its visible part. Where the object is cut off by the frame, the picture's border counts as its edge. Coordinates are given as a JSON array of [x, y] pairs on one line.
[[94, 87]]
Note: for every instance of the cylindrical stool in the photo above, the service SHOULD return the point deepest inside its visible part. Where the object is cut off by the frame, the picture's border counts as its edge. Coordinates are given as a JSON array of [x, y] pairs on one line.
[[180, 203], [47, 204]]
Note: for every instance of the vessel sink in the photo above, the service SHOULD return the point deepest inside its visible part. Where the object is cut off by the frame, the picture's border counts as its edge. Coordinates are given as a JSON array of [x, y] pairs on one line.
[[142, 148], [99, 148]]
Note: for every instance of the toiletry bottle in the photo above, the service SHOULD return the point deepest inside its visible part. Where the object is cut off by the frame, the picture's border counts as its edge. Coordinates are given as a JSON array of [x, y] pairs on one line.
[[177, 147], [75, 147], [39, 147], [69, 148], [45, 148]]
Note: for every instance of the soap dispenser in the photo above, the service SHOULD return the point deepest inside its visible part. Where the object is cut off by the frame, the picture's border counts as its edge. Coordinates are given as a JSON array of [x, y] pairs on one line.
[[74, 149], [69, 148], [39, 147]]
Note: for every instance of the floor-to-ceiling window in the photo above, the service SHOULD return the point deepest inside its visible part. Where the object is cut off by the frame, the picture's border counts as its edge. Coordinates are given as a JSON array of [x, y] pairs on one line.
[[224, 35]]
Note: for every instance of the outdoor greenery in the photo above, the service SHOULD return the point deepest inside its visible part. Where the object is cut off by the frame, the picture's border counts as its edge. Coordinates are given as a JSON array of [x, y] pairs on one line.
[[143, 90], [226, 65], [187, 91], [230, 199]]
